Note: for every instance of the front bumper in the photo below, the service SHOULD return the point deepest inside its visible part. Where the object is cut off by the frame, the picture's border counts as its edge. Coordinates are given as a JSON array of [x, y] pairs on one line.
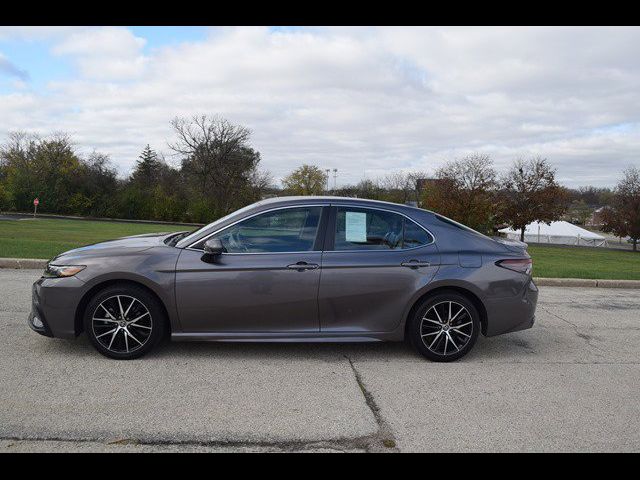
[[53, 303]]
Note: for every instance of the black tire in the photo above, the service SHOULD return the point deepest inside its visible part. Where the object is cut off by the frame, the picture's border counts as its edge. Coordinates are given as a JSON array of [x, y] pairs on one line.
[[151, 328], [431, 339]]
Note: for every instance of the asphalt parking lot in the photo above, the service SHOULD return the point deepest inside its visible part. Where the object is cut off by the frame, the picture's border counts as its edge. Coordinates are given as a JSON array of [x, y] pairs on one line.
[[572, 383]]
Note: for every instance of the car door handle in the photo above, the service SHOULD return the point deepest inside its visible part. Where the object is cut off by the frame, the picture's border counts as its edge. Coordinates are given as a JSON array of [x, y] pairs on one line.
[[300, 266], [415, 264]]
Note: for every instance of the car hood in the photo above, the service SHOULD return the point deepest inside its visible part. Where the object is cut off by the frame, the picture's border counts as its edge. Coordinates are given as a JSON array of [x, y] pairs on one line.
[[122, 246]]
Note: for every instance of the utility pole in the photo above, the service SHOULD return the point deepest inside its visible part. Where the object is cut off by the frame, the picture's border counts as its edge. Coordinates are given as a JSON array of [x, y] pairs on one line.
[[327, 170]]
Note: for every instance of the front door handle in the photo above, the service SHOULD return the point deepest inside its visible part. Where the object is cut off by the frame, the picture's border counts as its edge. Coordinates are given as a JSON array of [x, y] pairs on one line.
[[415, 264], [301, 266]]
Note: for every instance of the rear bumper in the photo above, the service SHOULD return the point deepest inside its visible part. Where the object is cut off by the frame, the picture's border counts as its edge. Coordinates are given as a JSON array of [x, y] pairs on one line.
[[505, 315], [53, 303]]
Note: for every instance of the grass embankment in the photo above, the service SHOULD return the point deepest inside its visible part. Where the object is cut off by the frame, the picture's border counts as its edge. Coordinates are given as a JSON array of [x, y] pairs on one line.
[[47, 237], [584, 262]]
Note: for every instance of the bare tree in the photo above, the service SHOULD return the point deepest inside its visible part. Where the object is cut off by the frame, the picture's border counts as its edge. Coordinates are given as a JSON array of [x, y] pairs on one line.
[[530, 193], [401, 187], [218, 159]]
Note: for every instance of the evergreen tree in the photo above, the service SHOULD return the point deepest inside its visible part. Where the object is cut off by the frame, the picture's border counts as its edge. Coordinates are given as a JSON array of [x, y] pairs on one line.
[[148, 169]]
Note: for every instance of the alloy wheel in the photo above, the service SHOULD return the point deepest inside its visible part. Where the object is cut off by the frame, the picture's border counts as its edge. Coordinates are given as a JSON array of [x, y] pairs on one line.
[[446, 328], [122, 324]]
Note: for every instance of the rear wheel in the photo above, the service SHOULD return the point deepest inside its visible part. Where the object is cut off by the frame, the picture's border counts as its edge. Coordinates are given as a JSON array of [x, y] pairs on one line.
[[124, 321], [445, 327]]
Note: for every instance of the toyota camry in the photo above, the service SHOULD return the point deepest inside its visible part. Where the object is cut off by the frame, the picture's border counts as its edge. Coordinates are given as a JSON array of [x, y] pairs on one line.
[[305, 269]]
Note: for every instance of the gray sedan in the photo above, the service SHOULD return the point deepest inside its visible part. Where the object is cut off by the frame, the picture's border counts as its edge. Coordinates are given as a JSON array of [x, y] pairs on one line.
[[306, 269]]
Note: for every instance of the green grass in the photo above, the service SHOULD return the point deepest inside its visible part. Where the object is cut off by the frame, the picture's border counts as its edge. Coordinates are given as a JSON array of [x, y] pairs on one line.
[[47, 237], [584, 262]]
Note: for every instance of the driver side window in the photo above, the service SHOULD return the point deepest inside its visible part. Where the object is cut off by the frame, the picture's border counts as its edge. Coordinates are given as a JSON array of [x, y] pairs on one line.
[[285, 230]]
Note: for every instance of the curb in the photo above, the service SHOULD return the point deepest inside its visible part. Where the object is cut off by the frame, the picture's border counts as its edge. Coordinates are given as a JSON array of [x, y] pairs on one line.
[[38, 264], [585, 282], [23, 263]]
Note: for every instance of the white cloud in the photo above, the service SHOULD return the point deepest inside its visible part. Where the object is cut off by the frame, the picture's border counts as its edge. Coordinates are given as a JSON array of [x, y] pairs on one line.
[[105, 53], [363, 100], [35, 33]]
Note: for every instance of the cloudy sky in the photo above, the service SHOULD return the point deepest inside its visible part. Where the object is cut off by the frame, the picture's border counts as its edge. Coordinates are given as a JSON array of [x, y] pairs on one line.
[[367, 101]]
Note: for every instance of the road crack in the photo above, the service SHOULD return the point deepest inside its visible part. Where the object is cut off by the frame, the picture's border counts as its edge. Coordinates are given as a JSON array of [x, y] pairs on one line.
[[383, 440], [587, 338], [338, 445]]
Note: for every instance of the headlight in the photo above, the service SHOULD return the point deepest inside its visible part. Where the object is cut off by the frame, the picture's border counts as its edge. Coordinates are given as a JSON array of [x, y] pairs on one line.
[[56, 271]]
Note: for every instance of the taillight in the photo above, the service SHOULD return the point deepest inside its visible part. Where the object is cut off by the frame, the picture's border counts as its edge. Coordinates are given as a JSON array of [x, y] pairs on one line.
[[520, 265]]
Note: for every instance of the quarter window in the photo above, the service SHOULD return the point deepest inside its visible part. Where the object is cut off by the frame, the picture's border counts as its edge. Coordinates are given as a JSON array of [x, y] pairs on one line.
[[286, 230], [414, 236], [364, 229]]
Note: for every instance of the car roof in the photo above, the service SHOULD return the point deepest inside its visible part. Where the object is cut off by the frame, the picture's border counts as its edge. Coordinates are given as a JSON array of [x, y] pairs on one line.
[[306, 199]]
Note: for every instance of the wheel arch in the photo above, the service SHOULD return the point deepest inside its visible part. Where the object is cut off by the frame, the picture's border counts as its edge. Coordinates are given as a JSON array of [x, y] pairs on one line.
[[86, 298], [466, 292]]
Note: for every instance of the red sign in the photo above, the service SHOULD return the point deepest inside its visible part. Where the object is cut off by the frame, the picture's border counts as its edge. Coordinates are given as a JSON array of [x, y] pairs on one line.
[[36, 202]]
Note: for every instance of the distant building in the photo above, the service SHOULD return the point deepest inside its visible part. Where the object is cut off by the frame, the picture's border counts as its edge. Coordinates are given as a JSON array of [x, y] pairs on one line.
[[596, 219]]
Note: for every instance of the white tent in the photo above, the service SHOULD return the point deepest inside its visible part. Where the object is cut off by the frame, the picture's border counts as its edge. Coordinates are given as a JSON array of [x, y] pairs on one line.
[[563, 233]]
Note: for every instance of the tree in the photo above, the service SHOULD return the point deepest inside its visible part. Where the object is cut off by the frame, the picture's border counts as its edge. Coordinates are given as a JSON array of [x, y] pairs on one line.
[[623, 217], [579, 212], [153, 190], [465, 191], [305, 180], [218, 164], [47, 168], [370, 189], [148, 169], [530, 193], [4, 197], [594, 196], [401, 187]]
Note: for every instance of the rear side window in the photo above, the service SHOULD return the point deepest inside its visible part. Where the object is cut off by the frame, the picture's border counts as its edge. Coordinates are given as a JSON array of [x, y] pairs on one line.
[[367, 229]]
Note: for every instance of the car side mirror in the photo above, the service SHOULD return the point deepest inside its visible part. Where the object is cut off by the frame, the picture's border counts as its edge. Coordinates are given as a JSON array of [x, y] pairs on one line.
[[213, 247]]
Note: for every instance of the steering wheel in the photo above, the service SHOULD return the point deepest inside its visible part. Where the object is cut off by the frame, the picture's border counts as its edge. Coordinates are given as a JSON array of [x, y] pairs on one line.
[[390, 239]]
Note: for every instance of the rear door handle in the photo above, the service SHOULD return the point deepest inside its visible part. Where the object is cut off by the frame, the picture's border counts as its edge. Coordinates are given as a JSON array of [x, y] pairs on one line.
[[300, 266], [415, 264]]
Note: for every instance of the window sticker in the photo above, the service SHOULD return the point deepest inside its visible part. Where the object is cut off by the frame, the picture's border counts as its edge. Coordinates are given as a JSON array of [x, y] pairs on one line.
[[355, 227]]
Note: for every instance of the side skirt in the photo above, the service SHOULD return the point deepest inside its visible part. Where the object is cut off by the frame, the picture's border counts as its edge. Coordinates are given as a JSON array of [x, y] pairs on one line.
[[358, 337]]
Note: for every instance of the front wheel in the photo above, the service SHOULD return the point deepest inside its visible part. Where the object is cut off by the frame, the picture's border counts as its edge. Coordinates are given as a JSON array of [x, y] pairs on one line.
[[124, 321], [445, 327]]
